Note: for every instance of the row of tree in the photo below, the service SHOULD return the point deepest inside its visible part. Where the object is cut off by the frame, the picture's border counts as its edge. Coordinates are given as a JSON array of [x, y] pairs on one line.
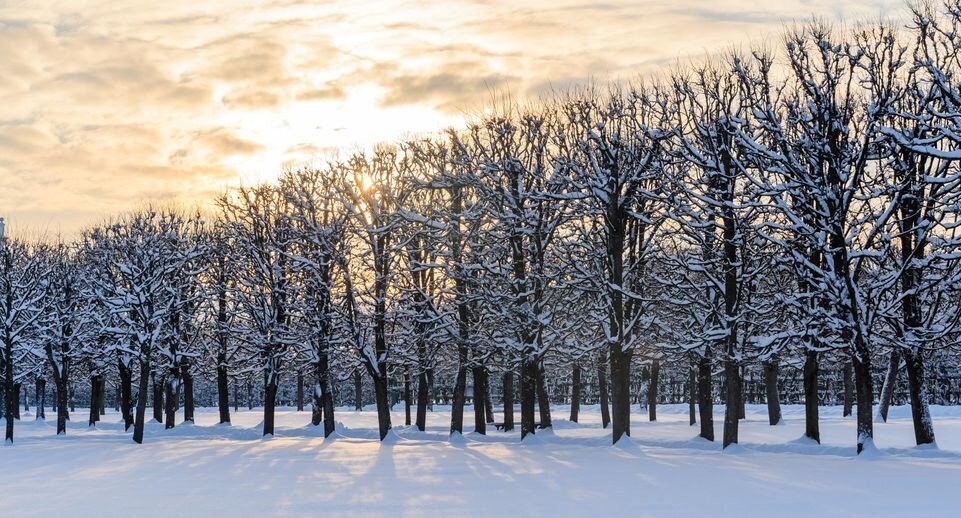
[[768, 208]]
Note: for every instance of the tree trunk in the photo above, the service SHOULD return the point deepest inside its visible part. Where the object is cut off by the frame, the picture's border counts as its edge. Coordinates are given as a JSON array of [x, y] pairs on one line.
[[250, 395], [383, 404], [457, 408], [126, 404], [488, 402], [170, 400], [60, 399], [358, 391], [158, 398], [620, 391], [917, 389], [848, 380], [4, 392], [95, 388], [652, 391], [270, 403], [811, 423], [543, 398], [316, 405], [103, 395], [300, 391], [508, 401], [323, 401], [772, 395], [407, 398], [890, 380], [327, 398], [41, 397], [236, 396], [17, 389], [741, 399], [602, 388], [575, 392], [692, 395], [223, 400], [732, 403], [528, 396], [423, 397], [145, 375], [480, 393], [705, 399], [188, 391], [865, 396], [10, 398]]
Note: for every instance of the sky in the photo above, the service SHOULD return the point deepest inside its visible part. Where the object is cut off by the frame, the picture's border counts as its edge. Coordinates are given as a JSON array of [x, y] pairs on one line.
[[106, 106]]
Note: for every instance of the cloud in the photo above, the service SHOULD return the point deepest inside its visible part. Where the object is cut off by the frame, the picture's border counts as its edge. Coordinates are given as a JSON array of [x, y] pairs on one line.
[[16, 139], [251, 98], [244, 58], [221, 142], [109, 104], [454, 88], [323, 93]]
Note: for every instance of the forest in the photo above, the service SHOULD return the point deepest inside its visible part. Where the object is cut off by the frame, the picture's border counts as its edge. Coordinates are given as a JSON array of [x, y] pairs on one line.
[[775, 225]]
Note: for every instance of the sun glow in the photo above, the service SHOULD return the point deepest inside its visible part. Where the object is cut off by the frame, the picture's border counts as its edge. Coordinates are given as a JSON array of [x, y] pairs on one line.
[[315, 132]]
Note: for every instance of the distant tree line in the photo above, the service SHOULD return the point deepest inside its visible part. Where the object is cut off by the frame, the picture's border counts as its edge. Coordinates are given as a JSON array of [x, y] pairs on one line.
[[698, 238]]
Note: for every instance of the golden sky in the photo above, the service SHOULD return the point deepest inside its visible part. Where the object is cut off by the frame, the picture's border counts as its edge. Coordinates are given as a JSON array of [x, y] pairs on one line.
[[106, 105]]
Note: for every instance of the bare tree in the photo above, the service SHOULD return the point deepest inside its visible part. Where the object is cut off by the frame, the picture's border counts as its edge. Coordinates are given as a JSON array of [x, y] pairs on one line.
[[612, 153], [259, 224], [318, 228]]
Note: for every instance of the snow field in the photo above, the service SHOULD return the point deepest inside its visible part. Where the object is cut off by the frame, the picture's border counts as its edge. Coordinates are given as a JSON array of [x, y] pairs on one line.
[[664, 470]]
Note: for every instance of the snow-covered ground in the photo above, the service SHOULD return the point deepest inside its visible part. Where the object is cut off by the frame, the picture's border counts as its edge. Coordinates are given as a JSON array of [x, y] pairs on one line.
[[210, 470]]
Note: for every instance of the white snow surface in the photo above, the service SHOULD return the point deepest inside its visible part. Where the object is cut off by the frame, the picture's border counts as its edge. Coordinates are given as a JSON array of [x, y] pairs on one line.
[[664, 470]]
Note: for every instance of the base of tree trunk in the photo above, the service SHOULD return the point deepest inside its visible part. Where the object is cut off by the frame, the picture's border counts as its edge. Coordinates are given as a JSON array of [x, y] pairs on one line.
[[732, 406], [917, 389], [383, 404], [575, 393], [41, 397], [620, 392], [847, 376], [692, 395], [300, 391], [407, 398], [543, 398], [141, 403], [890, 381], [865, 397], [480, 394], [358, 392], [423, 397], [602, 388], [457, 406], [508, 384], [223, 396], [270, 402], [528, 396], [158, 399], [652, 391], [705, 398], [771, 393]]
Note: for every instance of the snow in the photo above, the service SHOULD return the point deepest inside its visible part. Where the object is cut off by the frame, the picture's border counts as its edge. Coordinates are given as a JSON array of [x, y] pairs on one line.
[[663, 470]]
